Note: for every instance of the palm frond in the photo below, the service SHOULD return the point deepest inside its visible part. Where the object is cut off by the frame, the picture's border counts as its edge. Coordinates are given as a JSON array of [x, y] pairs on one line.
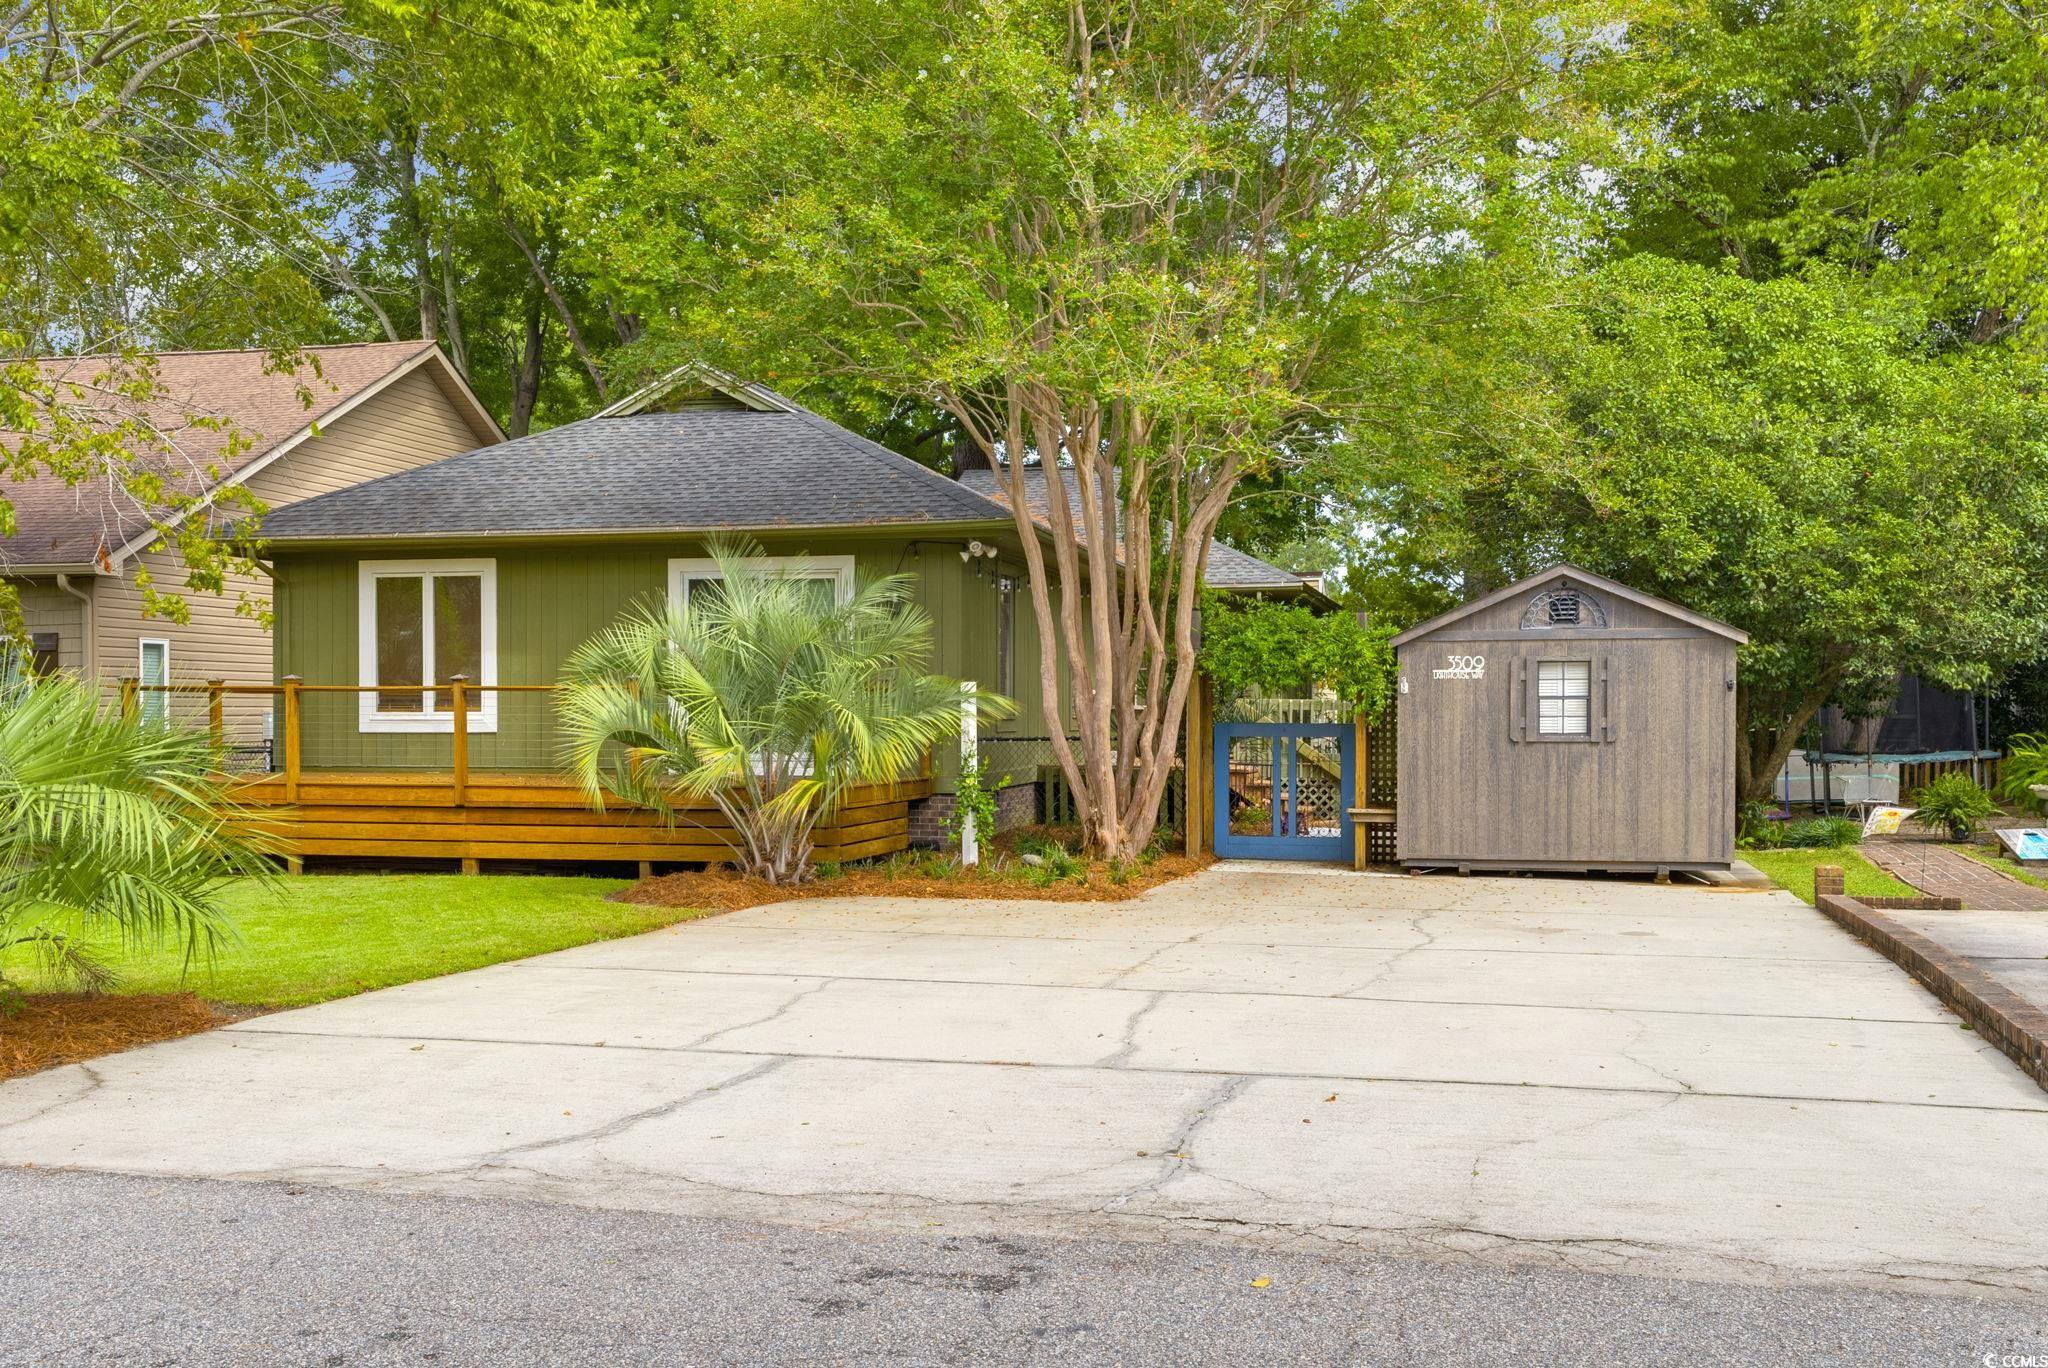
[[761, 698]]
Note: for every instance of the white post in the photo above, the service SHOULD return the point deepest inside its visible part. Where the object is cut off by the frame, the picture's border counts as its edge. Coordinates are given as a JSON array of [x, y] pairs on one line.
[[970, 846]]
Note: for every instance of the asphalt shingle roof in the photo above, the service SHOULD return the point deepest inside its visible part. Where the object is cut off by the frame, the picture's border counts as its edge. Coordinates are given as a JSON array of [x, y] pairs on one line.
[[1229, 568], [207, 400], [694, 470]]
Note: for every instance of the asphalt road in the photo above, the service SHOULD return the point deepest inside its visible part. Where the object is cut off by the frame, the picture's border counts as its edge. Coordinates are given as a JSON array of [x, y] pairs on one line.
[[109, 1269]]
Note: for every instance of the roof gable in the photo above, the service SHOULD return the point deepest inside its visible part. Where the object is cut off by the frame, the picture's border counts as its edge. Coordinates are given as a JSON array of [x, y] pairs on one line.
[[697, 386], [222, 416], [1572, 574]]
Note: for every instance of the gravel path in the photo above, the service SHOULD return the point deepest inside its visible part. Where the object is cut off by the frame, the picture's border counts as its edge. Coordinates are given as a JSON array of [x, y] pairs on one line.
[[106, 1269]]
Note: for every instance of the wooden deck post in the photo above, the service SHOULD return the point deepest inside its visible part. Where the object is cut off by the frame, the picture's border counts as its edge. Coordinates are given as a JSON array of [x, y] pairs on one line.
[[291, 738], [129, 686], [458, 704], [215, 732]]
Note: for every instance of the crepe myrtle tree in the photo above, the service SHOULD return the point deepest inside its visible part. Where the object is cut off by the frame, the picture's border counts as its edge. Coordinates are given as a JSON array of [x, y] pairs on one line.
[[763, 696], [1133, 243]]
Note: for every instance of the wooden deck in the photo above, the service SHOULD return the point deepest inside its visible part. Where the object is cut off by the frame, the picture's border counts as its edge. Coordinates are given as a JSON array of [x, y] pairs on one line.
[[424, 815]]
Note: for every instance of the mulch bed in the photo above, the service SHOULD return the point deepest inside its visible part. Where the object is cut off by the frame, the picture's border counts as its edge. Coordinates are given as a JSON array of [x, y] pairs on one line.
[[723, 891], [64, 1028]]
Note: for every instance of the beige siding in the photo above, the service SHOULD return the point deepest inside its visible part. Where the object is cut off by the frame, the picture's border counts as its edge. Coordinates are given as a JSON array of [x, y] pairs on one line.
[[46, 608], [411, 423]]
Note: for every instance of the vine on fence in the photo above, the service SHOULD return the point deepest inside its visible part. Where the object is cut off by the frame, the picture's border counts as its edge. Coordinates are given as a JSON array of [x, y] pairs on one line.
[[1287, 649], [973, 798]]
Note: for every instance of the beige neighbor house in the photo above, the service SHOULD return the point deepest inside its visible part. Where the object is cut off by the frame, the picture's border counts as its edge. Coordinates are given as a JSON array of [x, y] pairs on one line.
[[343, 415]]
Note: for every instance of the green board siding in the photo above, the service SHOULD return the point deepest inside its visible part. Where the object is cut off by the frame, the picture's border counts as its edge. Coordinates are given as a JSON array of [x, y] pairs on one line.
[[551, 599]]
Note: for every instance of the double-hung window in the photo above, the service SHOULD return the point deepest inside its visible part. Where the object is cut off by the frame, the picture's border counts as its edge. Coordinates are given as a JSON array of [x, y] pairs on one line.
[[1564, 698], [422, 624], [832, 574]]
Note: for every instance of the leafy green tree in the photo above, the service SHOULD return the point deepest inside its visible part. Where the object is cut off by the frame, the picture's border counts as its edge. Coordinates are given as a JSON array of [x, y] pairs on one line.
[[1900, 141], [1787, 455], [762, 697], [1133, 241], [109, 828]]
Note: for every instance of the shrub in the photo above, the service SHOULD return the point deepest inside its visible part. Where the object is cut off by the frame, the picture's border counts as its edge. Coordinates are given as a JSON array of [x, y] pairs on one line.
[[1822, 833], [1954, 801], [762, 697]]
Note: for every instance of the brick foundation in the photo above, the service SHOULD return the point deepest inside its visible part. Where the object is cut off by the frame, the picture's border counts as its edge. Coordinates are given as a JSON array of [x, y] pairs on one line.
[[1998, 1014], [1016, 805]]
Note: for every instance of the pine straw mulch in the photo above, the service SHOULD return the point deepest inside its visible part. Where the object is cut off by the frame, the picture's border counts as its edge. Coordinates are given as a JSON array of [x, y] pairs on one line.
[[64, 1028], [721, 890]]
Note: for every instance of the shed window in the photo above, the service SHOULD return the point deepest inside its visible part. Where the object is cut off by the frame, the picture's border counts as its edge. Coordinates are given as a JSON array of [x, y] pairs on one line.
[[44, 649], [1564, 697], [423, 623]]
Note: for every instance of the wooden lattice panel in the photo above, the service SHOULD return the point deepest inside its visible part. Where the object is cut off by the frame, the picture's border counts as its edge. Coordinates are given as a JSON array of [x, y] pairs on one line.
[[1381, 768]]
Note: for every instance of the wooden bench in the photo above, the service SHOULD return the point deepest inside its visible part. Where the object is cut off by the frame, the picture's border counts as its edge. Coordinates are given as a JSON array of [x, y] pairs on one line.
[[1373, 814]]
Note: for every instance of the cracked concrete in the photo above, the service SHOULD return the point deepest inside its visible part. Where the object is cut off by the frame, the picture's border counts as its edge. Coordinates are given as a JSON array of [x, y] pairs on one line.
[[1584, 1074]]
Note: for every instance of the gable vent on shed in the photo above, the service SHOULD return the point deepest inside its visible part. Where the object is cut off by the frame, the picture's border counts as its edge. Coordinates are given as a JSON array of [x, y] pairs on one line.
[[1563, 607]]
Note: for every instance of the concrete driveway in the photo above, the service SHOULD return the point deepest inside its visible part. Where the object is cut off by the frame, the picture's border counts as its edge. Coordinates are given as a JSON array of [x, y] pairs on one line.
[[1594, 1074]]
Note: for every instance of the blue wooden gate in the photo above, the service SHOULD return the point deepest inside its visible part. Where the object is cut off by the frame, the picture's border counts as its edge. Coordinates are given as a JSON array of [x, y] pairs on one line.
[[1282, 790]]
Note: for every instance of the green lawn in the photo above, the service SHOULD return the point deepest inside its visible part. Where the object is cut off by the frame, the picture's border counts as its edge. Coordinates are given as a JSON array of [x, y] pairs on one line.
[[1793, 870], [325, 936]]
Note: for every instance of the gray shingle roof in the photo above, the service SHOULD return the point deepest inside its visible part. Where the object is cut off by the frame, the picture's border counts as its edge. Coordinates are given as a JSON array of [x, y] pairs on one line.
[[1229, 568], [693, 470]]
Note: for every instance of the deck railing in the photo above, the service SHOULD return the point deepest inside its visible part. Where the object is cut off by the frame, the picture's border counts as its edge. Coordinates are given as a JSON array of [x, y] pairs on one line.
[[292, 728]]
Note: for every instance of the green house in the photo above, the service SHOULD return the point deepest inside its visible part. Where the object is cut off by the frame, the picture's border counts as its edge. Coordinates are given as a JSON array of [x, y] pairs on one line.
[[496, 564]]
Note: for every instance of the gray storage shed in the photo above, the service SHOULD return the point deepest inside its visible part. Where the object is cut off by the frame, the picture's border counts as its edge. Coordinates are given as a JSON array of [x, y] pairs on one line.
[[1567, 722]]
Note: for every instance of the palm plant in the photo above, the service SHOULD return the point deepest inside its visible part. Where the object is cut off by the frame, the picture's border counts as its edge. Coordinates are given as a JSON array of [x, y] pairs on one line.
[[763, 697], [2024, 777], [110, 829]]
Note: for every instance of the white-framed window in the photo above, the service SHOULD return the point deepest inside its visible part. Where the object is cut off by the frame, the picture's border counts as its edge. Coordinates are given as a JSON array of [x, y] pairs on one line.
[[153, 673], [1564, 698], [837, 571], [424, 622]]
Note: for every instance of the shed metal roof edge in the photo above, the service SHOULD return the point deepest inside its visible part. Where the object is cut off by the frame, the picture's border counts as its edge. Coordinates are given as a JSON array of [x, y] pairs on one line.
[[1590, 580]]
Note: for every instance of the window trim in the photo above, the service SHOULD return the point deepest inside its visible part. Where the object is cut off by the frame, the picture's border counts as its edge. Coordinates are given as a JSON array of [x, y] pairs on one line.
[[838, 569], [368, 718], [1536, 732], [142, 698]]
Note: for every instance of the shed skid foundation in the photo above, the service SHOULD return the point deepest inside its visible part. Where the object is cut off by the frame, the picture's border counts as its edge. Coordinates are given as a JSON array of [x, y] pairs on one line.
[[1419, 866]]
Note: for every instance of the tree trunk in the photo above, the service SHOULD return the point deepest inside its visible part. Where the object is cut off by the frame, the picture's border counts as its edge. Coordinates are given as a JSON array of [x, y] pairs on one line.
[[1762, 748], [562, 309], [426, 289], [1127, 642], [458, 347], [526, 368]]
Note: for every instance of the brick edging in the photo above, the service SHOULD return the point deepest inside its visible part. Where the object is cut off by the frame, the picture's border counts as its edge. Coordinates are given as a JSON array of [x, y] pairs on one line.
[[2000, 1015]]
